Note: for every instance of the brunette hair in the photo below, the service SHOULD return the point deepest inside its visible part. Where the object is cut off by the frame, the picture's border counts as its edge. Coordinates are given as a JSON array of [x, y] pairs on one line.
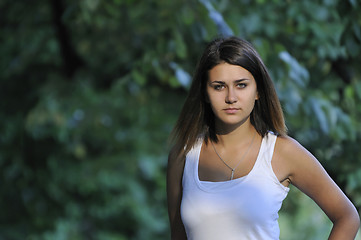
[[197, 119]]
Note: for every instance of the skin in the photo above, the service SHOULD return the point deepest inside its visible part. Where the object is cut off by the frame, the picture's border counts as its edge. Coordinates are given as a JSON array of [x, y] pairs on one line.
[[232, 92]]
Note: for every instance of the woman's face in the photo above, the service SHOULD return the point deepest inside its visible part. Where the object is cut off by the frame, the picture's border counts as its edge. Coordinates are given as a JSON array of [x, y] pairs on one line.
[[232, 92]]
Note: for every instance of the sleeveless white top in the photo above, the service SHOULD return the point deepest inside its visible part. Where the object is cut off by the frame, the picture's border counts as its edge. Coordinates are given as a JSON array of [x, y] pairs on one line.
[[243, 208]]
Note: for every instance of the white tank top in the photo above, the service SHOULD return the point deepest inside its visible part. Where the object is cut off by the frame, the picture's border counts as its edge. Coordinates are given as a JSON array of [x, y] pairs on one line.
[[243, 208]]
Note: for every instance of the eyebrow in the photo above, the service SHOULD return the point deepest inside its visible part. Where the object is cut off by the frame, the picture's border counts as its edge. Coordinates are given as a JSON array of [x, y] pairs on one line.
[[236, 81]]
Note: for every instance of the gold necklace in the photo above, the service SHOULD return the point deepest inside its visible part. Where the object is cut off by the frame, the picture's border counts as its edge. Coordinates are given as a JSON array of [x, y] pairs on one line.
[[234, 169]]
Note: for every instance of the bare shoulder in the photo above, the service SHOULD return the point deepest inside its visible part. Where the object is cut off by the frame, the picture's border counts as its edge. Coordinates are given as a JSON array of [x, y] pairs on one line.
[[175, 167], [288, 149], [290, 157], [301, 167], [176, 161]]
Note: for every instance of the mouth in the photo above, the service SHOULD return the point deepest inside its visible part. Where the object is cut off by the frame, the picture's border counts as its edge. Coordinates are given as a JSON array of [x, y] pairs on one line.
[[231, 110]]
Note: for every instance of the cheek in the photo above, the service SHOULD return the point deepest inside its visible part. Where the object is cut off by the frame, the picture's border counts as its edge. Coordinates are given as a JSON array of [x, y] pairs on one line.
[[253, 95], [214, 103], [216, 99], [248, 100], [211, 98]]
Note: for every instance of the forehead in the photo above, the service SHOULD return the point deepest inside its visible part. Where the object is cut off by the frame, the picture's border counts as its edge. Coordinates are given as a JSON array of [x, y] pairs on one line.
[[228, 72]]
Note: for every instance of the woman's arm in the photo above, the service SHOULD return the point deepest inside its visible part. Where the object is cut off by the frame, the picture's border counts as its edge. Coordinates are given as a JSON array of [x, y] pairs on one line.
[[307, 174], [174, 194]]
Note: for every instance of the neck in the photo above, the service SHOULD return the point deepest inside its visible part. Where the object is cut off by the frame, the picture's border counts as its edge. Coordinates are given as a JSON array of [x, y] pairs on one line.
[[235, 134]]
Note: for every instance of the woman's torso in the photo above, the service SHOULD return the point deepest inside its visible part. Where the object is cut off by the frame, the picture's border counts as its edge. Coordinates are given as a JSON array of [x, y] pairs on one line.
[[243, 208]]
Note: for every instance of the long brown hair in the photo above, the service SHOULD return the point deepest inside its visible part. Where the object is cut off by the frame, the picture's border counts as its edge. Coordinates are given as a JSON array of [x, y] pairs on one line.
[[197, 119]]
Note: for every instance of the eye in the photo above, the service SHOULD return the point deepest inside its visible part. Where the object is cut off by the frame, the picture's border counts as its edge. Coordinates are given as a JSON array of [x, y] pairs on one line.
[[218, 87], [241, 85]]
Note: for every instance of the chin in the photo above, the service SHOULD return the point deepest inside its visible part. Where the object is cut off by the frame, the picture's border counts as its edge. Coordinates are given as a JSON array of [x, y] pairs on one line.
[[232, 120], [231, 123]]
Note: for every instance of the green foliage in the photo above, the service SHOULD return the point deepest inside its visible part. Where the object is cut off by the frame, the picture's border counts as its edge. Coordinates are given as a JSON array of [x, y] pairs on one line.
[[90, 91]]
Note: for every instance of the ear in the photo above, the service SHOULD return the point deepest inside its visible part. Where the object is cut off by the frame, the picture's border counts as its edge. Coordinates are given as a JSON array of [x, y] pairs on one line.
[[257, 96]]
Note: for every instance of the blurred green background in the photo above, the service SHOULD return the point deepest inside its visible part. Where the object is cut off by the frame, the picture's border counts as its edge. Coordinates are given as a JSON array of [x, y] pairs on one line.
[[90, 90]]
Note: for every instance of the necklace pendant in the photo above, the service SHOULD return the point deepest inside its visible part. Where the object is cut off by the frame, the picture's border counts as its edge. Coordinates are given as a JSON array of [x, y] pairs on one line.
[[233, 169], [232, 174]]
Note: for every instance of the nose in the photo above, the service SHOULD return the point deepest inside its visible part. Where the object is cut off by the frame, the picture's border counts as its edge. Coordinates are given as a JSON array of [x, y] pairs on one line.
[[231, 96]]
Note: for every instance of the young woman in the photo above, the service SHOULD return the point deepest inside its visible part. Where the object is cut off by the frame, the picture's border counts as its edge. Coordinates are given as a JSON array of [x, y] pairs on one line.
[[232, 161]]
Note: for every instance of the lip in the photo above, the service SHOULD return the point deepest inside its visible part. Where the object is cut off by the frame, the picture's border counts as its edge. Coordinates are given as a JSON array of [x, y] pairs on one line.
[[231, 110]]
